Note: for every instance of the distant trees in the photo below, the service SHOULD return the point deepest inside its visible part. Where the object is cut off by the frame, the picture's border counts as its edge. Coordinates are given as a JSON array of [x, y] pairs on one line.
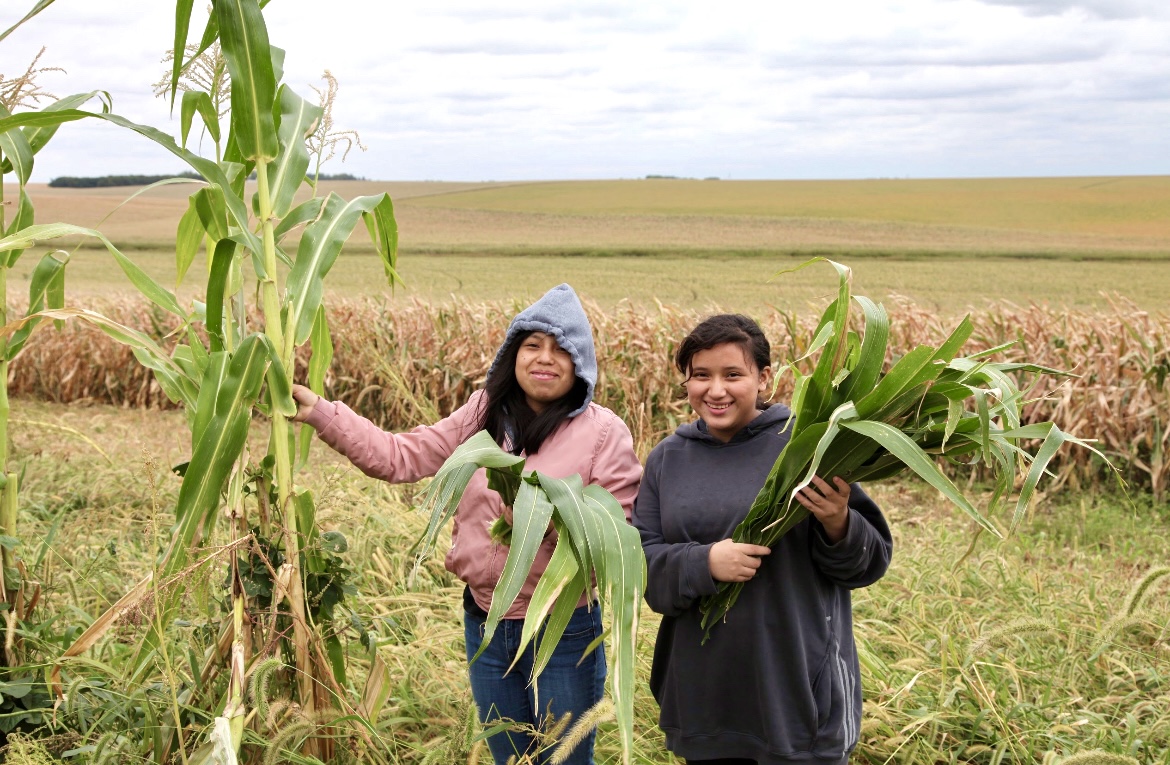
[[101, 181], [75, 182]]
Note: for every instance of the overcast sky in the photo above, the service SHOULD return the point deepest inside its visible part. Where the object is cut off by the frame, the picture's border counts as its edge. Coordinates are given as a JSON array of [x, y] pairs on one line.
[[491, 90]]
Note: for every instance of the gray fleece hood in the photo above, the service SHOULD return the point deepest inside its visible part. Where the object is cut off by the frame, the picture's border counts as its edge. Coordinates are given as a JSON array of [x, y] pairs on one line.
[[560, 314]]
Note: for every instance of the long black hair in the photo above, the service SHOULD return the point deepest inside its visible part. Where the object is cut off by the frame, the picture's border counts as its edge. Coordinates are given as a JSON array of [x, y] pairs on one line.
[[512, 423]]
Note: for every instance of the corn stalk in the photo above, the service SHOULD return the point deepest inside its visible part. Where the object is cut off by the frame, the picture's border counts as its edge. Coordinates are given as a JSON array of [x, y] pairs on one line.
[[853, 421], [239, 370], [594, 542]]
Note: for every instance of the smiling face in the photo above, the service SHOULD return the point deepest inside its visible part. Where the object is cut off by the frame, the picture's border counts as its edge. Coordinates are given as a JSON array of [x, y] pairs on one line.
[[544, 370], [723, 386]]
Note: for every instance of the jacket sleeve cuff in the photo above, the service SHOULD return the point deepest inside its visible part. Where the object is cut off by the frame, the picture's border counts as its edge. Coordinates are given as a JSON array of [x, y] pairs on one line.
[[323, 413], [698, 572], [850, 545]]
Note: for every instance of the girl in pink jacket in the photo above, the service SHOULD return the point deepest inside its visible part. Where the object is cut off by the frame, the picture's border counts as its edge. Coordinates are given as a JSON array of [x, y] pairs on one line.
[[538, 403]]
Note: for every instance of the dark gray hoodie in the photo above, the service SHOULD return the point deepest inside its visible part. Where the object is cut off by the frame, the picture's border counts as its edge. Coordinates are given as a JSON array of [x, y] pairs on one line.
[[778, 681]]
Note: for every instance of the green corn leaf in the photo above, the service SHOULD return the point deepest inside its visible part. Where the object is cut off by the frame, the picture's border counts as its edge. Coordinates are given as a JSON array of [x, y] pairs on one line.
[[169, 375], [298, 117], [531, 514], [900, 378], [42, 119], [209, 387], [871, 355], [194, 367], [321, 345], [46, 290], [336, 654], [626, 582], [148, 287], [221, 437], [40, 6], [182, 26], [198, 102], [38, 135], [897, 443], [307, 519], [591, 526], [1054, 438], [221, 263], [188, 237], [320, 245], [566, 496], [212, 212], [243, 37], [14, 146], [305, 212], [556, 592], [22, 219], [322, 356], [844, 413], [447, 487], [280, 389], [210, 171], [983, 412], [383, 230]]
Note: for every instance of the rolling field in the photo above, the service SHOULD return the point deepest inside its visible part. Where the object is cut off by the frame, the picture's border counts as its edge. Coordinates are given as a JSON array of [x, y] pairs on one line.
[[948, 244]]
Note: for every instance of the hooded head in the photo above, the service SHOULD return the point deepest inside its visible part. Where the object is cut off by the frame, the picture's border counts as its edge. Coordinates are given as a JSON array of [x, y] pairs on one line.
[[559, 314]]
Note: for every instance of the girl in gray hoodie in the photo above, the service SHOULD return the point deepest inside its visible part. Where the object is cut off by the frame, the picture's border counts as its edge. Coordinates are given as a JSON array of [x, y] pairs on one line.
[[537, 402], [778, 680]]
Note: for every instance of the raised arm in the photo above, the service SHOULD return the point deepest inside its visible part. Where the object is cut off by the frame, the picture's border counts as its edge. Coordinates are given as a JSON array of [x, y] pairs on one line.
[[393, 457]]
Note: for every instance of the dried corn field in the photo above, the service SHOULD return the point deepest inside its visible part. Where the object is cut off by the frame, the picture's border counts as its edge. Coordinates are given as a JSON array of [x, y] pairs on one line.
[[415, 362]]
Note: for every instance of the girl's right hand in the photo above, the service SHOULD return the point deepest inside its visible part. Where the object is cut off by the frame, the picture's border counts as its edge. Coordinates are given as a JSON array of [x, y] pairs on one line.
[[306, 400], [735, 561]]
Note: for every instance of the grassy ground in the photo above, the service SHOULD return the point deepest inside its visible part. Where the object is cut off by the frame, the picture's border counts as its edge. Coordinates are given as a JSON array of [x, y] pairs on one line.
[[1011, 654]]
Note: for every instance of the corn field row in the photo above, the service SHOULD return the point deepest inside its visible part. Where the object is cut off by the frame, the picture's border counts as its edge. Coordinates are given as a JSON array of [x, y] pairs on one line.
[[409, 362]]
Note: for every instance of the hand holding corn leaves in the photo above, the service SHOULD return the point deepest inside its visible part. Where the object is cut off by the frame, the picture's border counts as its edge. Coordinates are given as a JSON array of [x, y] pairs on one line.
[[592, 538], [852, 421]]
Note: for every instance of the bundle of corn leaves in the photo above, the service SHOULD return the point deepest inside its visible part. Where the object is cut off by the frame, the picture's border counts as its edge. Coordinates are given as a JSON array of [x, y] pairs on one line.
[[853, 421], [594, 542]]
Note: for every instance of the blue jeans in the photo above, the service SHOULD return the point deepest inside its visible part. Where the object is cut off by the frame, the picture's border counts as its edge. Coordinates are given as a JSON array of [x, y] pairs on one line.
[[564, 686]]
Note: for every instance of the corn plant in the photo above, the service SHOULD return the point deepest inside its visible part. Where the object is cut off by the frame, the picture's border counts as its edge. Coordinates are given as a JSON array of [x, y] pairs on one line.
[[593, 541], [238, 369], [854, 421], [18, 150]]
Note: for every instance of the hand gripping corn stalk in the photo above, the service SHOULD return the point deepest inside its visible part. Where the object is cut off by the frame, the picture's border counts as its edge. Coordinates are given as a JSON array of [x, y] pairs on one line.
[[594, 541], [853, 421]]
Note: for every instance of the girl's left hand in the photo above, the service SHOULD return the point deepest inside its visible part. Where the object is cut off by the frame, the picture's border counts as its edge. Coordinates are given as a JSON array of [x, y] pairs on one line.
[[830, 505]]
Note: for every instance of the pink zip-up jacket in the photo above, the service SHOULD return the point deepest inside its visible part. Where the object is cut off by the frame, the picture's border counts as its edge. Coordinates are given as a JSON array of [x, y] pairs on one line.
[[595, 444]]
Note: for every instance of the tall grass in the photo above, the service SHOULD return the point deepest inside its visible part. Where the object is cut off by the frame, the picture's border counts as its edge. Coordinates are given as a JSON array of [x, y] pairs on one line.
[[412, 362], [1031, 650]]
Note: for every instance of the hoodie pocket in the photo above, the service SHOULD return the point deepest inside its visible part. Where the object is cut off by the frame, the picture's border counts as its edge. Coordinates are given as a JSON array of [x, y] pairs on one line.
[[832, 694]]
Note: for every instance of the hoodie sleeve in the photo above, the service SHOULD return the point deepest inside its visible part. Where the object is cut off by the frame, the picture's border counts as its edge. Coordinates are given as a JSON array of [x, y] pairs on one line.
[[863, 555], [677, 574], [393, 457]]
